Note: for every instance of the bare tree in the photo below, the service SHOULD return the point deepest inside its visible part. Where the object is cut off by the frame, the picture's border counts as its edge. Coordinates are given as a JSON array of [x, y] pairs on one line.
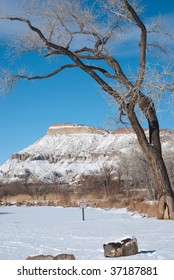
[[124, 173], [84, 31], [26, 182], [33, 185], [107, 174], [57, 180], [141, 174]]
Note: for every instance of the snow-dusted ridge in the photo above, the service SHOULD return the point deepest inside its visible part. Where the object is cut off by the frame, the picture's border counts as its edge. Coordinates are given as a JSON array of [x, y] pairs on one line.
[[70, 150]]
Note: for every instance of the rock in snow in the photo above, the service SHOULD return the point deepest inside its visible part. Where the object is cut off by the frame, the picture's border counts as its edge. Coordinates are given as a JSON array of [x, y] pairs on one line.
[[125, 247], [50, 257], [69, 150]]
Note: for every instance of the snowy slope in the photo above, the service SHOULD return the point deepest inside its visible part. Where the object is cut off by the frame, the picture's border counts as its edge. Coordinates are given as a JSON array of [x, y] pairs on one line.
[[70, 149], [53, 230]]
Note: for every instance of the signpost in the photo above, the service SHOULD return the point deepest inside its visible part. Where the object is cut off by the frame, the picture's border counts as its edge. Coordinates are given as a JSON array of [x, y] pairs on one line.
[[82, 203]]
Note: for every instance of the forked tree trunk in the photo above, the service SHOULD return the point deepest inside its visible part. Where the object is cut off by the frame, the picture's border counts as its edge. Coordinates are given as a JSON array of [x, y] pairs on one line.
[[152, 151]]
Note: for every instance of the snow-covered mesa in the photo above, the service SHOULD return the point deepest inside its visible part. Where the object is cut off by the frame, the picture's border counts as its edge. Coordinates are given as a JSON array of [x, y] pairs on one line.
[[70, 150]]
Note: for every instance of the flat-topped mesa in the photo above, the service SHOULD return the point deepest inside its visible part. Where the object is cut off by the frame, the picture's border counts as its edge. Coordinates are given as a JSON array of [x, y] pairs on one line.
[[69, 128]]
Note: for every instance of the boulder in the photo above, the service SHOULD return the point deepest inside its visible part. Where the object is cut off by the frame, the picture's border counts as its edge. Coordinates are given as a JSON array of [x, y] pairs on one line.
[[64, 257], [126, 247], [40, 257], [50, 257]]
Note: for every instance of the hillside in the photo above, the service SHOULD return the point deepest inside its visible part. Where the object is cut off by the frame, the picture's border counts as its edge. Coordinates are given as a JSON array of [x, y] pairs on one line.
[[69, 150]]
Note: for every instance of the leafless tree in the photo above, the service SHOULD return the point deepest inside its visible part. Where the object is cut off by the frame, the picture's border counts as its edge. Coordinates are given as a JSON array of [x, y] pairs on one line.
[[33, 185], [85, 32], [142, 176], [39, 188], [57, 180], [26, 182], [124, 171], [107, 174]]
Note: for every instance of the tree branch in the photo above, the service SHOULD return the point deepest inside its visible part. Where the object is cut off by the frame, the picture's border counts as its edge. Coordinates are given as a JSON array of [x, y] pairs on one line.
[[47, 75], [8, 79], [142, 45], [103, 71], [28, 22], [121, 77], [77, 61], [90, 54], [142, 139]]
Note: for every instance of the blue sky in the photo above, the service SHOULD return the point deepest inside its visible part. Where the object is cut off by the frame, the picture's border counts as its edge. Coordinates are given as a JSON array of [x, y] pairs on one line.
[[72, 96]]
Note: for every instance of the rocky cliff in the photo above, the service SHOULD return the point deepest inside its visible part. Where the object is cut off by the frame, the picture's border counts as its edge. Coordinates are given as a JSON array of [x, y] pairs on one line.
[[71, 150]]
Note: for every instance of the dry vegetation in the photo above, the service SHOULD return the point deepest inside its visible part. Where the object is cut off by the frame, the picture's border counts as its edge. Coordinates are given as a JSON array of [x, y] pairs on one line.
[[72, 200], [93, 190], [131, 186]]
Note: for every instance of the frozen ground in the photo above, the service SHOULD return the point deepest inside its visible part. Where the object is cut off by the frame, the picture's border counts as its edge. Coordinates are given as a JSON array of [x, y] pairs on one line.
[[52, 230]]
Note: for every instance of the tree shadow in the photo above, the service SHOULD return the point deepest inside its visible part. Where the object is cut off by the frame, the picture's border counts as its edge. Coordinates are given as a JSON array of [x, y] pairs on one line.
[[5, 213], [147, 252]]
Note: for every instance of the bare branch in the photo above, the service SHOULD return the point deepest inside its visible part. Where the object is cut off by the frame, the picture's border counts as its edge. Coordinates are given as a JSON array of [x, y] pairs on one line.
[[89, 53], [28, 22], [47, 75], [8, 79], [142, 45], [121, 77], [103, 71]]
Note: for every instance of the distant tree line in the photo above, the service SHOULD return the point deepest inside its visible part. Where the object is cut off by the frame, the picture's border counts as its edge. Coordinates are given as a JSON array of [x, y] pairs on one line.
[[133, 177]]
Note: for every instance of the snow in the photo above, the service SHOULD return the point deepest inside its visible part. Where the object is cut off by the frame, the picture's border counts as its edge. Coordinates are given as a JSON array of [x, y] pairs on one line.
[[58, 126], [53, 230], [75, 153]]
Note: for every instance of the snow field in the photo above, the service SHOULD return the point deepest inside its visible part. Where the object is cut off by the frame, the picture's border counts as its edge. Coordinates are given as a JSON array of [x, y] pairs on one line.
[[53, 230]]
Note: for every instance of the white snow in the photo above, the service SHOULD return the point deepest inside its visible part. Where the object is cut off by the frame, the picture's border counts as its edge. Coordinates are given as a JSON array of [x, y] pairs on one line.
[[58, 126], [75, 153], [53, 230]]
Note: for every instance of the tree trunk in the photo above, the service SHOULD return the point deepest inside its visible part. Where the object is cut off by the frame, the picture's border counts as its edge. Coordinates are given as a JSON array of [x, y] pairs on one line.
[[165, 192], [152, 151]]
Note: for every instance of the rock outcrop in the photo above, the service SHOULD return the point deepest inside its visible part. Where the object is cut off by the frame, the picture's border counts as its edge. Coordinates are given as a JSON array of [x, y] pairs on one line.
[[73, 129]]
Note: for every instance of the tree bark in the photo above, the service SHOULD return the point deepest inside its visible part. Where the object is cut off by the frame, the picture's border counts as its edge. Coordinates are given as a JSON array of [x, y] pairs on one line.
[[152, 151], [165, 192]]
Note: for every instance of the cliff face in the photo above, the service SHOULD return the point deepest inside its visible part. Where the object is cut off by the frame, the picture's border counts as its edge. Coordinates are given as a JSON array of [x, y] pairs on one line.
[[55, 129], [70, 150]]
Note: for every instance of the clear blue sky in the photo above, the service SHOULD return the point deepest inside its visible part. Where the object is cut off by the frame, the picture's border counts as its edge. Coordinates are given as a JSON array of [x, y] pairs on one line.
[[72, 96]]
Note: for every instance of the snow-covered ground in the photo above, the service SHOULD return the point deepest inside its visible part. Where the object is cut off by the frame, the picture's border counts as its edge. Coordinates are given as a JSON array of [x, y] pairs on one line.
[[52, 230]]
